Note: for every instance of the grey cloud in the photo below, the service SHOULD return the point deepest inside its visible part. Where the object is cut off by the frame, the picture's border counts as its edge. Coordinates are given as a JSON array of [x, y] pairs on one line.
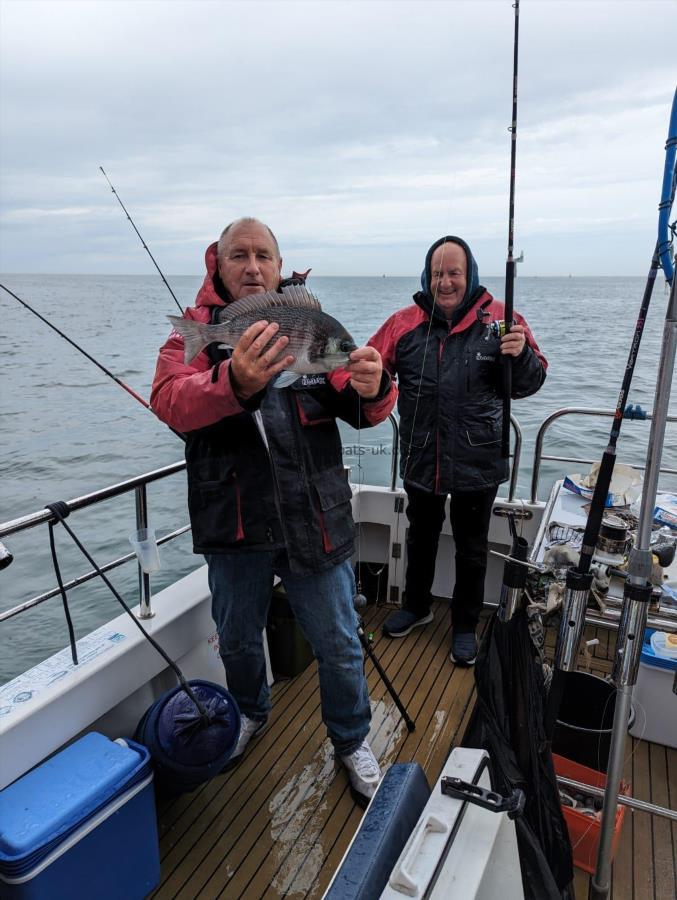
[[349, 126]]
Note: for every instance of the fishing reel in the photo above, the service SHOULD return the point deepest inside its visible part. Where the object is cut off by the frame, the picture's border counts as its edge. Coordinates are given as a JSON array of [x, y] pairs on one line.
[[495, 328]]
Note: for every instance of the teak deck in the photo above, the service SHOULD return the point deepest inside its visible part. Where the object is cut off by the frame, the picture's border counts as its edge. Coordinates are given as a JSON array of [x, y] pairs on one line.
[[279, 823]]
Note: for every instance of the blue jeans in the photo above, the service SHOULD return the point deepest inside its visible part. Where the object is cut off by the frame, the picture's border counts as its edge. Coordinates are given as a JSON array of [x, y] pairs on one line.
[[241, 586]]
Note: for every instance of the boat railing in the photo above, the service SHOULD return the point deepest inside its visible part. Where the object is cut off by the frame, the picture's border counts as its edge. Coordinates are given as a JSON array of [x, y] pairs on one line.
[[138, 484], [539, 456]]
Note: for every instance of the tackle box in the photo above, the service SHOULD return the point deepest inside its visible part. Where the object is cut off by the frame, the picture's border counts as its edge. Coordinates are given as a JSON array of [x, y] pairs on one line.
[[81, 825]]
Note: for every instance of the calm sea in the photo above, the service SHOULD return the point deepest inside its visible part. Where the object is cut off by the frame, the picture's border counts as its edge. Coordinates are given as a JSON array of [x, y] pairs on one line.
[[68, 430]]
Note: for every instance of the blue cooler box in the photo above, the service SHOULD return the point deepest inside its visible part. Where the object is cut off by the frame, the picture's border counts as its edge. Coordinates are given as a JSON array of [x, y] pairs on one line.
[[653, 699], [81, 825]]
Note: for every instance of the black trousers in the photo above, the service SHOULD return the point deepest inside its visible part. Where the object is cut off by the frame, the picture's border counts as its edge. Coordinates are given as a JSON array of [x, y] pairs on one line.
[[470, 516]]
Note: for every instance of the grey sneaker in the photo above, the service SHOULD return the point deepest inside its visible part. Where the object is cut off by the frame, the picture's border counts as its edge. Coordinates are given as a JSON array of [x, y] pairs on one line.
[[249, 728], [403, 621], [364, 773], [463, 648]]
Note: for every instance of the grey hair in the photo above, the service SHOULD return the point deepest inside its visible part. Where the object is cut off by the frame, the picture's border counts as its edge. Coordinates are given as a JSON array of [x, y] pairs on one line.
[[245, 220]]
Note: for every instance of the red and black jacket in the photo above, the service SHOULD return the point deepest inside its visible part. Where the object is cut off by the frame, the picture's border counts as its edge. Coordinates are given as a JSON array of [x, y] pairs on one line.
[[241, 495], [450, 404]]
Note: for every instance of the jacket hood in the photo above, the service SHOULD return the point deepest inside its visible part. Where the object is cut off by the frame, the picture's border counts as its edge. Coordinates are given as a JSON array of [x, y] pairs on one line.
[[473, 288], [212, 292]]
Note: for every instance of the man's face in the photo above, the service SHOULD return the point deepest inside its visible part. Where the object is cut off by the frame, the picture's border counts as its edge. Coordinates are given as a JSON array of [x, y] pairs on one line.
[[448, 272], [249, 264]]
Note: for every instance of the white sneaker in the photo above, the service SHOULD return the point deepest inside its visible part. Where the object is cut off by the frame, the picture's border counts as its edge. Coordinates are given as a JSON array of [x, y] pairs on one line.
[[249, 728], [363, 771]]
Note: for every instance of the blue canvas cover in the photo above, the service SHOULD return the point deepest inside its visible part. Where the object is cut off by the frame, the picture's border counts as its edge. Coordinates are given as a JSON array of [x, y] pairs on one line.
[[187, 750]]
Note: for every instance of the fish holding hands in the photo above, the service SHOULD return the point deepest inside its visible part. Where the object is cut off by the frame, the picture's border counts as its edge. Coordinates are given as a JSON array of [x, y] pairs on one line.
[[291, 321]]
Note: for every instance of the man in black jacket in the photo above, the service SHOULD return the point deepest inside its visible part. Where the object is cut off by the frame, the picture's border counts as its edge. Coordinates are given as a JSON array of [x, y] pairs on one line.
[[447, 359], [268, 494]]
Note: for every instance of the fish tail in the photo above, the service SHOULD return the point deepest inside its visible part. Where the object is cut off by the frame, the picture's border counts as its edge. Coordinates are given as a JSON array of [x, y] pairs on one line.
[[195, 336]]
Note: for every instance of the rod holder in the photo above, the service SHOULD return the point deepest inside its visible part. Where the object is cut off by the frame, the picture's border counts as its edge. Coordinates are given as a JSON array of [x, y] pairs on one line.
[[145, 610], [573, 619], [636, 599], [514, 579]]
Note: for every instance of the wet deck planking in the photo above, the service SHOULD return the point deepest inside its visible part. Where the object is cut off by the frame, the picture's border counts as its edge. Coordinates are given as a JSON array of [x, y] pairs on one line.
[[279, 824]]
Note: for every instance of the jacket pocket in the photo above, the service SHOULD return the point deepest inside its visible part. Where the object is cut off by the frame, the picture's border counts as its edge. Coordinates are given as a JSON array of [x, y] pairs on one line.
[[335, 515], [216, 511], [310, 411], [483, 434]]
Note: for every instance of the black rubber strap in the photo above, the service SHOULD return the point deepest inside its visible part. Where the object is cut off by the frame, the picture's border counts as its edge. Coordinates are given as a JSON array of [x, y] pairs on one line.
[[61, 510]]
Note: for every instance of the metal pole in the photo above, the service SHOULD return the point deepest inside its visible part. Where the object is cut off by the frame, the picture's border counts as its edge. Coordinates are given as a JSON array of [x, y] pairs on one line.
[[145, 611], [635, 602], [623, 799]]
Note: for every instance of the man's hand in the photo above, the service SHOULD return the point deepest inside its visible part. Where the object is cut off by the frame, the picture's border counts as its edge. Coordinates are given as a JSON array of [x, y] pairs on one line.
[[365, 369], [513, 342], [251, 365]]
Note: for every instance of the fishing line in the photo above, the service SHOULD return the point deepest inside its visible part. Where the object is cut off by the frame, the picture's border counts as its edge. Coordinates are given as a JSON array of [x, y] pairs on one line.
[[145, 246]]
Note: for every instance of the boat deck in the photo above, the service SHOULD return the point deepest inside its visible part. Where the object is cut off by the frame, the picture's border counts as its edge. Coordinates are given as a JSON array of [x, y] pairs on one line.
[[279, 824]]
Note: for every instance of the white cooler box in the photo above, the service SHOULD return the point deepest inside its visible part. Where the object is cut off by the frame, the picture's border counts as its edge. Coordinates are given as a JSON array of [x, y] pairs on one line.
[[653, 699]]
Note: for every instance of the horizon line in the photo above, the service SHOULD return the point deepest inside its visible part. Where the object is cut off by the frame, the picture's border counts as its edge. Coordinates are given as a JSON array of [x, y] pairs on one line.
[[202, 275]]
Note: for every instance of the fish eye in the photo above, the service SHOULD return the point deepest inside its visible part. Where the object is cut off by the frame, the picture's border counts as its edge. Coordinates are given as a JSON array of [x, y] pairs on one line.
[[346, 346]]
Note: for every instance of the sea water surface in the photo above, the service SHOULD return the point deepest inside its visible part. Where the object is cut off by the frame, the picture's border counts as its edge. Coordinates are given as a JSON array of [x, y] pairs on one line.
[[68, 430]]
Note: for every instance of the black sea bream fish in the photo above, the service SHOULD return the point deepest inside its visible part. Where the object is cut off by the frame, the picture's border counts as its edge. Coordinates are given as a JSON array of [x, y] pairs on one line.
[[318, 342]]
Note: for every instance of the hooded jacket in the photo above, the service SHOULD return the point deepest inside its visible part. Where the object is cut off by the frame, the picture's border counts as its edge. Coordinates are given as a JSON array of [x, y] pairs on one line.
[[242, 495], [449, 380]]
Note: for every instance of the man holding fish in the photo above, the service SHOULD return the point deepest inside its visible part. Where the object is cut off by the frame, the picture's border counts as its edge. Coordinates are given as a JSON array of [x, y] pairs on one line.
[[255, 375]]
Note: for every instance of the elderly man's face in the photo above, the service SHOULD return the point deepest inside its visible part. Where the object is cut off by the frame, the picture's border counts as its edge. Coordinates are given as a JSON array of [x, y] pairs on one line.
[[249, 264], [448, 273]]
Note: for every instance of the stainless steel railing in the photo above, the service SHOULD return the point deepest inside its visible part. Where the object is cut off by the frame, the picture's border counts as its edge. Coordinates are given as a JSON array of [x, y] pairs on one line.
[[568, 411], [137, 484]]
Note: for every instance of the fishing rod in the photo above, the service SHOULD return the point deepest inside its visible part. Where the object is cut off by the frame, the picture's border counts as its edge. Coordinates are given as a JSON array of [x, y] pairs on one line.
[[638, 589], [510, 262], [145, 246], [106, 371], [579, 579]]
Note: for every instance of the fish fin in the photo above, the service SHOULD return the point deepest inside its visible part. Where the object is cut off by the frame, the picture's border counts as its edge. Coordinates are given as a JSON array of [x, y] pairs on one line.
[[193, 334], [293, 296], [301, 275], [284, 379], [226, 346]]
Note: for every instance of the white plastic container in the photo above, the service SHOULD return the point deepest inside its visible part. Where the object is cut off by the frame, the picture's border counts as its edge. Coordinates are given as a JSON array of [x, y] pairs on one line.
[[653, 699], [457, 849], [146, 549]]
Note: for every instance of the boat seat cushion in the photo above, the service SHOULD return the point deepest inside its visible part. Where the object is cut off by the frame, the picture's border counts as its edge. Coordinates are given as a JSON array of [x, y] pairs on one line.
[[382, 834]]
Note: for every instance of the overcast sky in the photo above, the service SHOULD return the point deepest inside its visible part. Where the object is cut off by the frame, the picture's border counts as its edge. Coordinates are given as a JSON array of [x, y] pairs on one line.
[[359, 130]]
